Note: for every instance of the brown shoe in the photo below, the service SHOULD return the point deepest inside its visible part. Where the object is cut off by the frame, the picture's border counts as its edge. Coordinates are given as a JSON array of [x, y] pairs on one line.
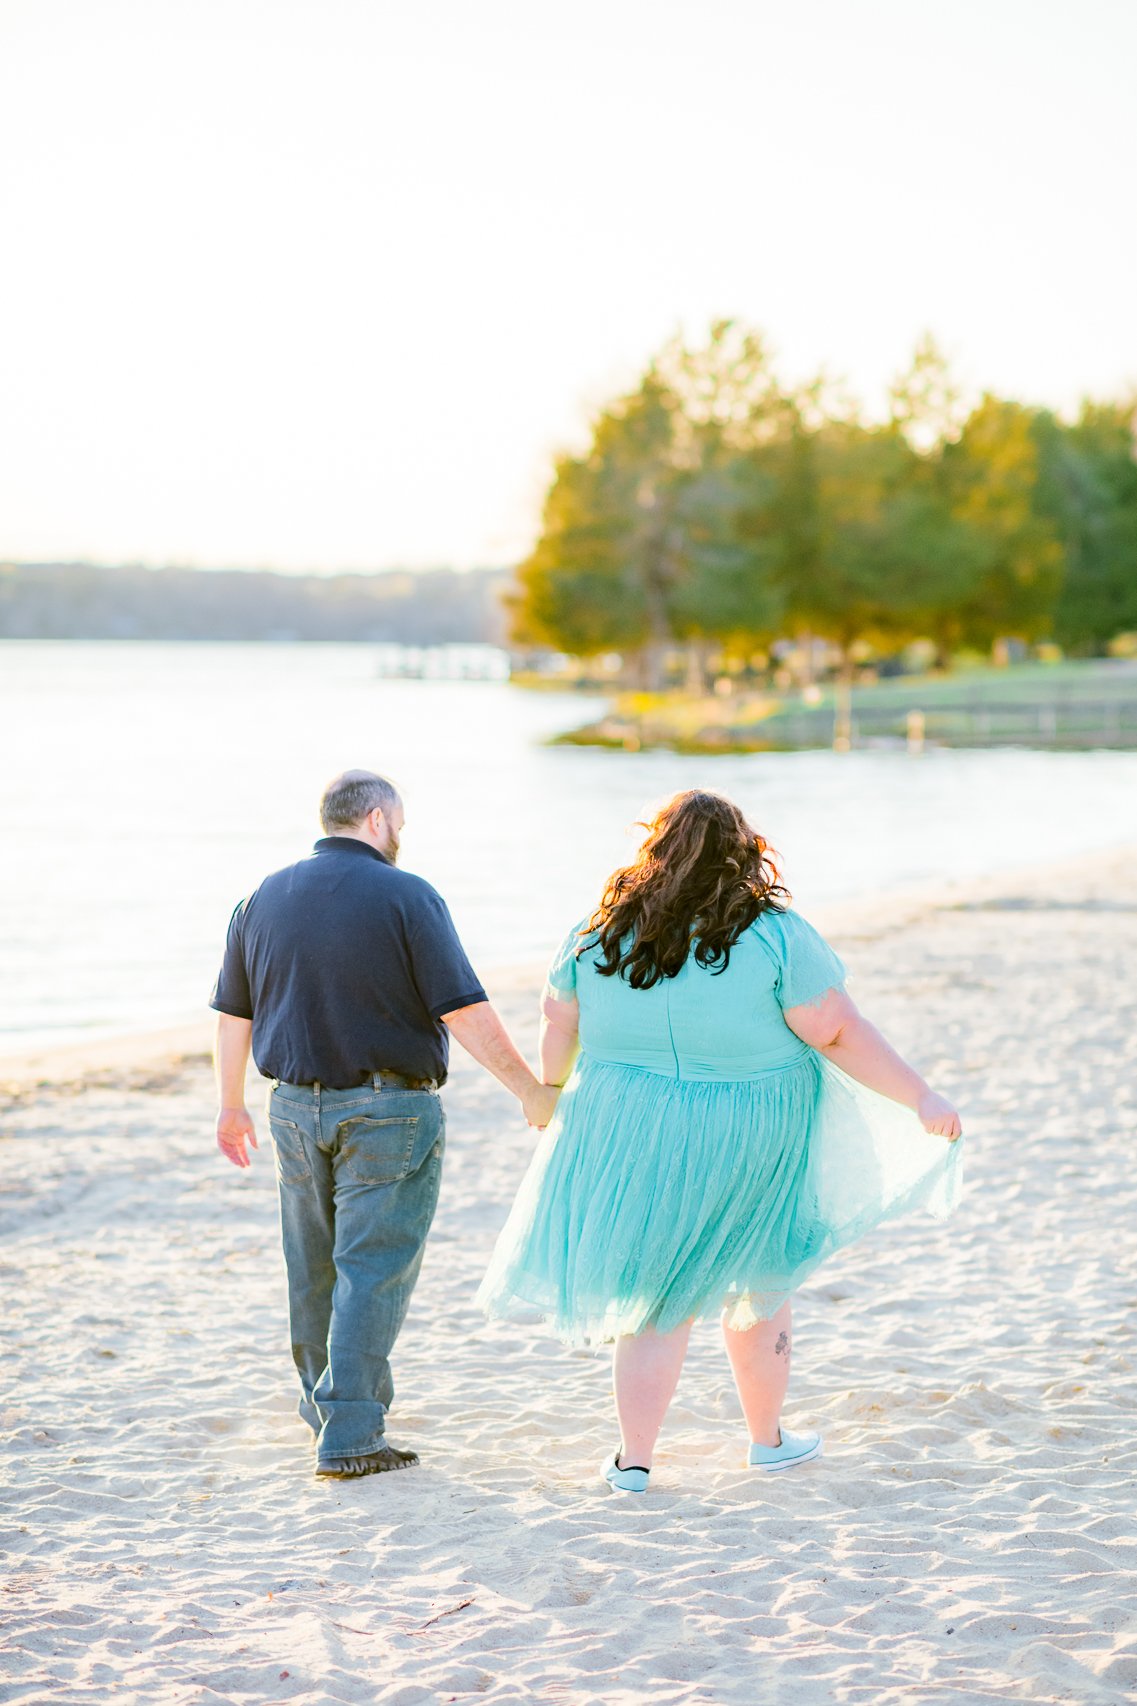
[[371, 1463]]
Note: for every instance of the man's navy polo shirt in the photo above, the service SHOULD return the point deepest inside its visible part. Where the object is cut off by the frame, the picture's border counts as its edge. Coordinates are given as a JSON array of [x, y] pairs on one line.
[[344, 964]]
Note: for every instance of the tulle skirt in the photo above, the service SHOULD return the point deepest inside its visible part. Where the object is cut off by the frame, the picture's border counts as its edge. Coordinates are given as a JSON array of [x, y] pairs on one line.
[[650, 1199]]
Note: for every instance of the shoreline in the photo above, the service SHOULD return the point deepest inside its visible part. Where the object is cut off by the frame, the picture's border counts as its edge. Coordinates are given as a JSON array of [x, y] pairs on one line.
[[864, 918], [1074, 705]]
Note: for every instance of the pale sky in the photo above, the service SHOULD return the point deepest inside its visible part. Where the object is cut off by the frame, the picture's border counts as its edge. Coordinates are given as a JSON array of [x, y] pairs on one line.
[[326, 283]]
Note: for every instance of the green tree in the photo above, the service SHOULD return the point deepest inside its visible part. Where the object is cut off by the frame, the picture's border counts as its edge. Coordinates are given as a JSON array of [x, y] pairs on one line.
[[870, 548], [646, 540], [598, 576], [711, 507], [992, 474], [925, 401], [1087, 487], [732, 410], [729, 590]]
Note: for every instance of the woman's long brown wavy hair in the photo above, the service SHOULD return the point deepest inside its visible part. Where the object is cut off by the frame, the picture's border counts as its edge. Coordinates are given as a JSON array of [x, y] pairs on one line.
[[701, 877]]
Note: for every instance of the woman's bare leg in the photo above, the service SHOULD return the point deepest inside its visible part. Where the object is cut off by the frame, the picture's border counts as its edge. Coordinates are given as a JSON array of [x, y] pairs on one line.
[[760, 1362], [645, 1373]]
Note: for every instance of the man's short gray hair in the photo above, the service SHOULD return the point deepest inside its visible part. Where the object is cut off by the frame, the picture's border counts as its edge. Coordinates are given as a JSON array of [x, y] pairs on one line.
[[349, 798]]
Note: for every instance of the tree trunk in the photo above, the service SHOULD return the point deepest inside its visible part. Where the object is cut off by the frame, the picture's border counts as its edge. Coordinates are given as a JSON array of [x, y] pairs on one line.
[[697, 652], [655, 656], [645, 668], [843, 704]]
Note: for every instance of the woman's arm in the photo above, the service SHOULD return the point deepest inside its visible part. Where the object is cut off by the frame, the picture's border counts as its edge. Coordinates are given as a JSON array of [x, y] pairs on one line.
[[843, 1035], [560, 1025]]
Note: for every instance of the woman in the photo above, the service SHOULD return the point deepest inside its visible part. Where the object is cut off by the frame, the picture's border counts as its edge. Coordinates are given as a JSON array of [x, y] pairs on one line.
[[731, 1121]]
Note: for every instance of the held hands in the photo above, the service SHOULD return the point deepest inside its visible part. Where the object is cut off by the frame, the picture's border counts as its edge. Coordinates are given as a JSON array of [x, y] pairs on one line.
[[538, 1103], [938, 1117], [234, 1127]]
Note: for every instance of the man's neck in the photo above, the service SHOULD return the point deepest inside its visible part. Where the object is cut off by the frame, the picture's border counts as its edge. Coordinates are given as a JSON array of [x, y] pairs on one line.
[[364, 840]]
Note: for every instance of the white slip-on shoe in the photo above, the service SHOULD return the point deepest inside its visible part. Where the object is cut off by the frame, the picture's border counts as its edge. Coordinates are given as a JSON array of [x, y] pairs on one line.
[[791, 1450], [633, 1479]]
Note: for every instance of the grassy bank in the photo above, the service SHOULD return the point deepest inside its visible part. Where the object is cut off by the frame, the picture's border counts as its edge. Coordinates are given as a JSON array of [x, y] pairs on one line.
[[1076, 705]]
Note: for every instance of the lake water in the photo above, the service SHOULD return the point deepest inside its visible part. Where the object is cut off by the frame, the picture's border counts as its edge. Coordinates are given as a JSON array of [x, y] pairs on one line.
[[148, 787]]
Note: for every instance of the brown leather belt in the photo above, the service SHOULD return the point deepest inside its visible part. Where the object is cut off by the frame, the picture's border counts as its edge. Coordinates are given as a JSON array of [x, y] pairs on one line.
[[400, 1081], [381, 1080]]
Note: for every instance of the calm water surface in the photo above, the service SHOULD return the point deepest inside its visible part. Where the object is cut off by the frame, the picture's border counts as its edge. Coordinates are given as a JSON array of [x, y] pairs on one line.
[[148, 787]]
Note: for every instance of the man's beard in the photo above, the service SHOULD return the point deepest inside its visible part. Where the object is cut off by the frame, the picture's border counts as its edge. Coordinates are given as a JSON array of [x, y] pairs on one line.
[[392, 849]]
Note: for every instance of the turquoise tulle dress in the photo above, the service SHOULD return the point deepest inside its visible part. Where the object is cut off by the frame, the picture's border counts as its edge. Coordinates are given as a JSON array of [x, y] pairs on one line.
[[701, 1155]]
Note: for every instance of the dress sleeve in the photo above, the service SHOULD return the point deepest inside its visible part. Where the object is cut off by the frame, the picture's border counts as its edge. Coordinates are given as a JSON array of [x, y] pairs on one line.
[[560, 979], [809, 967]]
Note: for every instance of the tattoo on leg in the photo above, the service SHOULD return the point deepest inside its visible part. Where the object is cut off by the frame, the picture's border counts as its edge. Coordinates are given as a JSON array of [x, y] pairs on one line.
[[782, 1348]]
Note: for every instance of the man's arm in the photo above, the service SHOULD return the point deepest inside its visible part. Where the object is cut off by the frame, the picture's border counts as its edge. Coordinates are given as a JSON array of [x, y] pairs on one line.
[[482, 1034], [230, 1063]]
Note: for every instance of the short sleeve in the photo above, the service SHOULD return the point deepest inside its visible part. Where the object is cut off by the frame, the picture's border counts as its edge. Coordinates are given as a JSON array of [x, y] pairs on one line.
[[561, 976], [443, 975], [808, 966], [231, 993]]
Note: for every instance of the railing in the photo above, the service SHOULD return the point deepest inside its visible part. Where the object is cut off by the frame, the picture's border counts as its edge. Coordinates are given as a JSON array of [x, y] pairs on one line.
[[981, 722]]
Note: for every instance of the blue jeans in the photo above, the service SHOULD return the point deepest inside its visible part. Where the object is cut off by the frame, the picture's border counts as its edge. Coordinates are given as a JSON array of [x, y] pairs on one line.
[[358, 1172]]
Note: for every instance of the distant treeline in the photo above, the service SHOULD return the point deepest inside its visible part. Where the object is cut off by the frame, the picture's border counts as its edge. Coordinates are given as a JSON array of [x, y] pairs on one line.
[[716, 507], [76, 601]]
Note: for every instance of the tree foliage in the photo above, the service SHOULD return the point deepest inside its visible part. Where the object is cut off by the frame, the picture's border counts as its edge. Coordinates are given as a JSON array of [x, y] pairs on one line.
[[713, 504], [1088, 491], [648, 538]]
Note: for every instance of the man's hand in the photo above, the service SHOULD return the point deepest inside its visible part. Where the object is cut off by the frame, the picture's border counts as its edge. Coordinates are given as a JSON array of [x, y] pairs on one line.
[[539, 1102], [483, 1035], [234, 1127], [231, 1061]]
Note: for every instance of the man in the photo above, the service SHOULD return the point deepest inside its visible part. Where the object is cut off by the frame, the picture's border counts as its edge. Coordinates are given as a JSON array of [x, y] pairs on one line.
[[344, 976]]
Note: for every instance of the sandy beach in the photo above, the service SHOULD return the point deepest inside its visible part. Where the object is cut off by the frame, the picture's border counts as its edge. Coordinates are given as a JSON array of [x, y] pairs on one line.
[[969, 1535]]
